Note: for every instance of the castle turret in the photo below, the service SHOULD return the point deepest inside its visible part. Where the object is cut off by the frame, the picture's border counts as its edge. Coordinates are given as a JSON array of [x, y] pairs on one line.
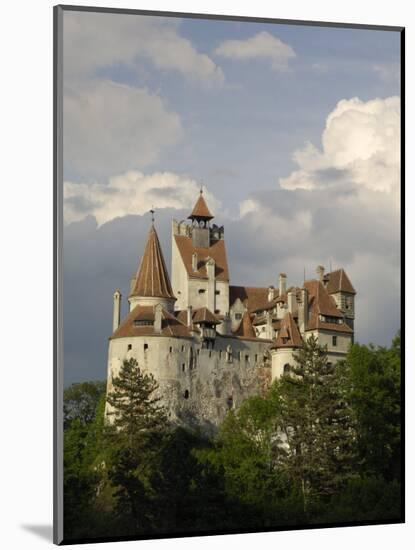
[[152, 284], [343, 293], [287, 342], [200, 217]]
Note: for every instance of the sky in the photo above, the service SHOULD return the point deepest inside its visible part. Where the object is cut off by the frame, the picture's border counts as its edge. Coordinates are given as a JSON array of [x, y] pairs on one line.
[[293, 131]]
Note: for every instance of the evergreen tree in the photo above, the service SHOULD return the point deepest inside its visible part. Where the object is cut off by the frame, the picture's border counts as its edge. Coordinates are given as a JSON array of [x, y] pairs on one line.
[[317, 425], [136, 434], [375, 394]]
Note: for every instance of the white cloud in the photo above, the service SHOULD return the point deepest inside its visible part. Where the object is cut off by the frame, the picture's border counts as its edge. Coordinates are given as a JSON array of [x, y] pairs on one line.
[[93, 41], [360, 144], [262, 45], [110, 126], [131, 193]]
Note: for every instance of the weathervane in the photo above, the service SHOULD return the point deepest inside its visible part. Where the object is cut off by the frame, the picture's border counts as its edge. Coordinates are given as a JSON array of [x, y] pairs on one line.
[[152, 214]]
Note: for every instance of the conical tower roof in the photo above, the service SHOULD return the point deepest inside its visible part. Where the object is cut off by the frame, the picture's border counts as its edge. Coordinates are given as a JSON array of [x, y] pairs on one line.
[[200, 209], [152, 277]]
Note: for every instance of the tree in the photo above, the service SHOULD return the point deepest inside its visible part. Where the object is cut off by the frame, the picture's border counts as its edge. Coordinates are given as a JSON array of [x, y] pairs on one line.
[[135, 436], [135, 410], [374, 377], [80, 401], [317, 425]]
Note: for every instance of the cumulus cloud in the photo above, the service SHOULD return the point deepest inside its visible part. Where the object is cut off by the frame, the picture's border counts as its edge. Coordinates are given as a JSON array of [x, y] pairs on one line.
[[131, 193], [110, 126], [341, 207], [360, 145], [262, 45], [93, 41]]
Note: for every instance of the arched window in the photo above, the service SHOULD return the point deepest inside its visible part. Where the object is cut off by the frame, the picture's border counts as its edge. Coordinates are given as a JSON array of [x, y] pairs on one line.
[[287, 368]]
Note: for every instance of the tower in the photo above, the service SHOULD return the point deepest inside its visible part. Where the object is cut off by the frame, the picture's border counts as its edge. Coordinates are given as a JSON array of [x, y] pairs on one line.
[[200, 274], [151, 286]]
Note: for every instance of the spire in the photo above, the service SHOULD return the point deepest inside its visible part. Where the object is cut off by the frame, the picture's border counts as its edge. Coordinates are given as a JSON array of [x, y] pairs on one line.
[[152, 277], [200, 210]]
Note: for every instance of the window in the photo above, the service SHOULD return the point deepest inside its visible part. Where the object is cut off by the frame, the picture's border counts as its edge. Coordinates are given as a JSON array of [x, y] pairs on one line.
[[217, 292], [198, 351], [129, 347], [143, 323], [145, 347], [186, 394], [220, 353], [229, 402], [182, 348], [334, 341], [201, 290], [256, 357], [217, 310], [246, 358], [238, 316], [287, 368], [210, 353], [170, 349], [183, 367]]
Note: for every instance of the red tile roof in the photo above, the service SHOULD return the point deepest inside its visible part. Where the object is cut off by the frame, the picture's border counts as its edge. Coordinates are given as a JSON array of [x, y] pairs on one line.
[[152, 277], [204, 315], [245, 329], [170, 325], [338, 281], [320, 302], [200, 209], [289, 335], [216, 251], [253, 298]]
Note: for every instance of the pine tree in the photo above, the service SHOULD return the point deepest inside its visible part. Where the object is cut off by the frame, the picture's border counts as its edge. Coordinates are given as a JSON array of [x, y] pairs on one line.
[[317, 425], [136, 410], [135, 437]]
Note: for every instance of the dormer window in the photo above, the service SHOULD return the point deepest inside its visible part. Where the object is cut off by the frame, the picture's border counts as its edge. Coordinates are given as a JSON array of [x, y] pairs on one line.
[[143, 323]]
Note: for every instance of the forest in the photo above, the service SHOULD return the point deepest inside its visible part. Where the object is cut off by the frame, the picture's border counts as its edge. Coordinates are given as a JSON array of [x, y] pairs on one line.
[[322, 446]]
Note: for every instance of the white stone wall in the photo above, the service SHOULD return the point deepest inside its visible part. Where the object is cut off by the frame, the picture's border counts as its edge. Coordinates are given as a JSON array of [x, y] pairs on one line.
[[335, 353], [215, 379], [178, 277], [279, 358]]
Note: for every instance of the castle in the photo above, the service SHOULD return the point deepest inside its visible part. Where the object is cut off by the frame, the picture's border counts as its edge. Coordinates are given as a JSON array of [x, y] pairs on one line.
[[209, 344]]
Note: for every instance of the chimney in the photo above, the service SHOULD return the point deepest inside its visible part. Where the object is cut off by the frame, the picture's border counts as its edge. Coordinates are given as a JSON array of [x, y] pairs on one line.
[[290, 301], [194, 261], [189, 316], [320, 272], [116, 310], [225, 327], [303, 311], [282, 283], [271, 293], [157, 317]]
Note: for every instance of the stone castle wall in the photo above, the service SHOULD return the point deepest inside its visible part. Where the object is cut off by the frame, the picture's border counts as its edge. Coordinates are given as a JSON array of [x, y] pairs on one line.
[[197, 385]]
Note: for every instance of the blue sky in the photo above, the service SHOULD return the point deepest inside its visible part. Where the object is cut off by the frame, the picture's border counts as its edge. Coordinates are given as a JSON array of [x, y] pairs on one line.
[[293, 130]]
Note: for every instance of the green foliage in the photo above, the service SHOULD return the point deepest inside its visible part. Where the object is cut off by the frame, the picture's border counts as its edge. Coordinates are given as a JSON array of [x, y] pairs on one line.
[[375, 395], [135, 437], [322, 446], [317, 423], [80, 401]]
